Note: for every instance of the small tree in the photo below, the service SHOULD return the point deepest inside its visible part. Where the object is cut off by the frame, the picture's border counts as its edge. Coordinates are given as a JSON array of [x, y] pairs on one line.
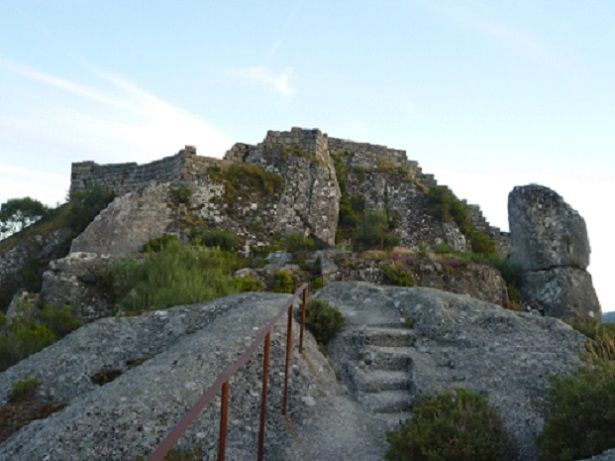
[[18, 213]]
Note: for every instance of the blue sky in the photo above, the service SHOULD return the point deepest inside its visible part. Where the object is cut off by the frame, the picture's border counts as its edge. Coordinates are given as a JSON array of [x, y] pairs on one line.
[[485, 95]]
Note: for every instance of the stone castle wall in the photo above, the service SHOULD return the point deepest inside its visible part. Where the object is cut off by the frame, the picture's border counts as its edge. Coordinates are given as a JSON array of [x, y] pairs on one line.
[[187, 166], [122, 178]]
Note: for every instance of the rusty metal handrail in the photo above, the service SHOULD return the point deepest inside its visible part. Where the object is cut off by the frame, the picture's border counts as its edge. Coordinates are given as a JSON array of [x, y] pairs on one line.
[[222, 382]]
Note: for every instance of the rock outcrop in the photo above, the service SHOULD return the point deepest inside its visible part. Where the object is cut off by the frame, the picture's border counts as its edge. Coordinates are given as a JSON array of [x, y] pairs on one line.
[[309, 203], [400, 342], [83, 281], [445, 273], [30, 254], [128, 222], [549, 244], [127, 381]]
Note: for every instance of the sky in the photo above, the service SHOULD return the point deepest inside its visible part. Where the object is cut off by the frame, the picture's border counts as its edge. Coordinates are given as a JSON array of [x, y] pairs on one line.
[[485, 95]]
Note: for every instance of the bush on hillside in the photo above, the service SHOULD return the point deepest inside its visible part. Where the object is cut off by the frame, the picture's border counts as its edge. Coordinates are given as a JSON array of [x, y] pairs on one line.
[[373, 232], [23, 336], [580, 414], [396, 276], [222, 239], [178, 274], [299, 243], [157, 244], [446, 207], [455, 425], [601, 343], [282, 282], [323, 320]]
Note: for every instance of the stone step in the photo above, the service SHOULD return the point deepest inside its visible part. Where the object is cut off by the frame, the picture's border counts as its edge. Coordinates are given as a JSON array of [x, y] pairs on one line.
[[386, 357], [381, 380], [389, 336], [391, 421], [387, 401]]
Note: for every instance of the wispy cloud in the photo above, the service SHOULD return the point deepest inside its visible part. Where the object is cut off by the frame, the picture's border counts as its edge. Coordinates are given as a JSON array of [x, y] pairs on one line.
[[48, 121], [267, 78], [123, 120]]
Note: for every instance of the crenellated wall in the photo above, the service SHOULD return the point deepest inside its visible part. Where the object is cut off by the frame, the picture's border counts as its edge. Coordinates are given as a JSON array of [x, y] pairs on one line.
[[127, 177]]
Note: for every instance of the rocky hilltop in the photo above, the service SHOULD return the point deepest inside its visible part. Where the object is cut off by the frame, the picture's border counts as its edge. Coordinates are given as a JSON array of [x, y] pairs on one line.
[[433, 298]]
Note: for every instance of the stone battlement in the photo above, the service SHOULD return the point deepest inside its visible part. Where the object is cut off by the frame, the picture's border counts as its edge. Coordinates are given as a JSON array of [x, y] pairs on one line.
[[122, 178]]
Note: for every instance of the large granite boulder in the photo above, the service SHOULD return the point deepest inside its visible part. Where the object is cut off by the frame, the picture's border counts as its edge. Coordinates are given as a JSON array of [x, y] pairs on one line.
[[549, 243], [400, 342], [545, 231], [83, 281], [128, 222], [563, 292]]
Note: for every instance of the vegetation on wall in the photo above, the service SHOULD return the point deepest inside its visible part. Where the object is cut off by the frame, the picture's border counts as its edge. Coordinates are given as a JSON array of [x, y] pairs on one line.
[[446, 207], [455, 425], [394, 275]]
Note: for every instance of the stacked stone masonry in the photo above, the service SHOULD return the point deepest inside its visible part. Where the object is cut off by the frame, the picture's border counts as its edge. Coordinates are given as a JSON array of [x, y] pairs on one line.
[[310, 202]]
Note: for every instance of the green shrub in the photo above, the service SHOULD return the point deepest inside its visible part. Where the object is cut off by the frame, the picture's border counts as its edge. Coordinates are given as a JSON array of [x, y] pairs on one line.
[[23, 389], [396, 276], [297, 243], [25, 337], [373, 232], [580, 416], [60, 320], [446, 207], [222, 239], [249, 283], [253, 178], [323, 320], [480, 242], [282, 282], [443, 249], [178, 274], [456, 425], [157, 244], [181, 194], [341, 172], [601, 345]]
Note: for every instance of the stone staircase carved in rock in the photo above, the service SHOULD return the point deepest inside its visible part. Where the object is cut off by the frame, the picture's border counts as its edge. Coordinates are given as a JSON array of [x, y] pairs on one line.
[[380, 377]]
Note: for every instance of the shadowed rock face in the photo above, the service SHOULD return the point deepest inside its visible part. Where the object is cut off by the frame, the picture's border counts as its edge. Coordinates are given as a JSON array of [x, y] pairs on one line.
[[451, 341], [549, 243]]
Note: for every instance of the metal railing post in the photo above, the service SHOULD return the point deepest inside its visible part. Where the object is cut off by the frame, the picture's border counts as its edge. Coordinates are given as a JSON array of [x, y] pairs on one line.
[[223, 421], [289, 346], [303, 309], [261, 431], [222, 382]]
